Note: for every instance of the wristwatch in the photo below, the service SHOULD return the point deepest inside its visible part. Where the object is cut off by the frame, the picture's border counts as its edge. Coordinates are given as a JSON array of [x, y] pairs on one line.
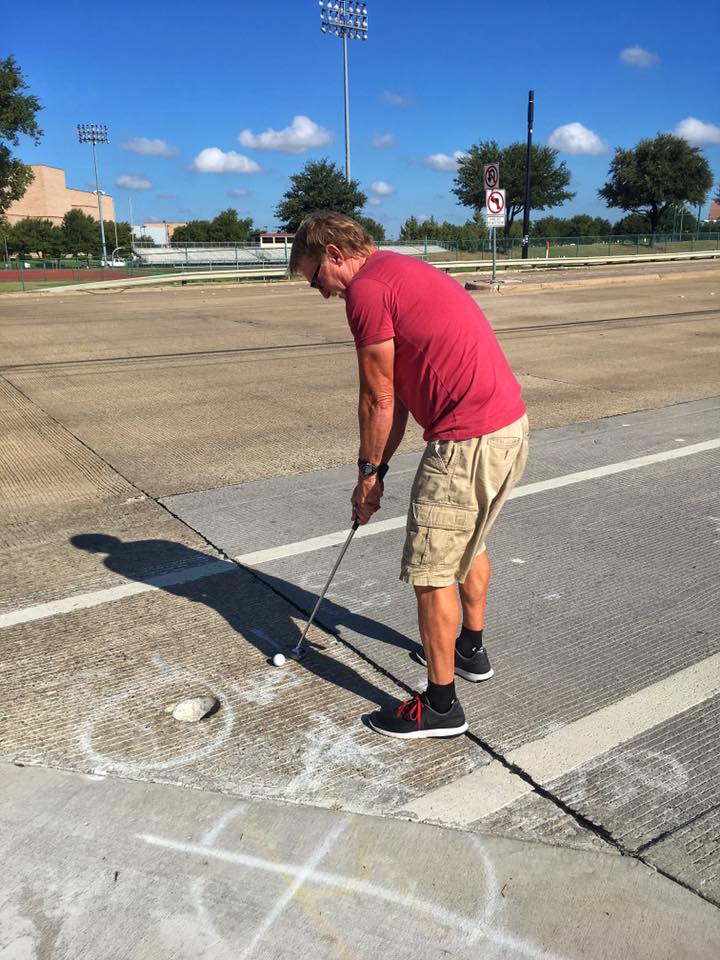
[[366, 468]]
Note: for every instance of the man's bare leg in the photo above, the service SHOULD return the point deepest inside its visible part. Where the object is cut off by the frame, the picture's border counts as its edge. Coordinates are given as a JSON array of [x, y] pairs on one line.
[[439, 620], [473, 592]]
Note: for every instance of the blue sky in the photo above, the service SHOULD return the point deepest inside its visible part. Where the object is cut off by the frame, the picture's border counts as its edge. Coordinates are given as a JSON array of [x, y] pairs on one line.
[[173, 81]]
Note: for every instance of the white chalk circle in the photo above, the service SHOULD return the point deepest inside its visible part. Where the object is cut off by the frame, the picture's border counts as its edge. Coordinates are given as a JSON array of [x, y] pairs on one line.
[[87, 734]]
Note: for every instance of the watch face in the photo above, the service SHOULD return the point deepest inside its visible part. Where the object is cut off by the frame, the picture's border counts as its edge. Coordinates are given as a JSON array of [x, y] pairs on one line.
[[366, 469]]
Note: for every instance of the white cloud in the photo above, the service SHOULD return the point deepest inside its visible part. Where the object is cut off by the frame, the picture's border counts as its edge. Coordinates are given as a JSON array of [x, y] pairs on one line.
[[575, 138], [238, 192], [444, 162], [130, 181], [374, 201], [395, 99], [214, 160], [383, 141], [695, 131], [639, 57], [302, 134], [381, 188], [149, 148]]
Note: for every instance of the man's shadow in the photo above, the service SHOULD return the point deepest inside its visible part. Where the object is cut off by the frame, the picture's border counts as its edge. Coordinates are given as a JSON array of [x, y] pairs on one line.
[[156, 562]]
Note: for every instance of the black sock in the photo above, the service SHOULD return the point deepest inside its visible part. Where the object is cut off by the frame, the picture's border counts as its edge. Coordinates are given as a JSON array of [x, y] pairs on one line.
[[469, 642], [440, 695]]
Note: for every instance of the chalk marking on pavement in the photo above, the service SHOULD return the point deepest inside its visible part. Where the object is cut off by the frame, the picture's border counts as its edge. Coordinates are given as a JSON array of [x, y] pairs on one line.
[[131, 768], [472, 929], [82, 601], [493, 787], [289, 894]]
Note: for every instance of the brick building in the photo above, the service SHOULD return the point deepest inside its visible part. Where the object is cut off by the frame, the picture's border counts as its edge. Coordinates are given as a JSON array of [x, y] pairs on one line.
[[49, 198]]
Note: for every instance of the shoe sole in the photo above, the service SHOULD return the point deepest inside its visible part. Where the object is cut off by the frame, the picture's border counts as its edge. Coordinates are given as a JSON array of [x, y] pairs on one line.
[[465, 674], [421, 734]]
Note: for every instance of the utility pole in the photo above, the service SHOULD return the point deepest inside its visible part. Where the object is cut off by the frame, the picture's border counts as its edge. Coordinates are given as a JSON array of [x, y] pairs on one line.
[[526, 210]]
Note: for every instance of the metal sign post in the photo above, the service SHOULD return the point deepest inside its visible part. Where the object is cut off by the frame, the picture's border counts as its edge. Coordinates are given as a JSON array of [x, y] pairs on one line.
[[495, 205]]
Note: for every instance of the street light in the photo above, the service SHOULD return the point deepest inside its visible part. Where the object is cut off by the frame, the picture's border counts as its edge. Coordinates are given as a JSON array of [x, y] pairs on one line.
[[348, 20], [95, 133]]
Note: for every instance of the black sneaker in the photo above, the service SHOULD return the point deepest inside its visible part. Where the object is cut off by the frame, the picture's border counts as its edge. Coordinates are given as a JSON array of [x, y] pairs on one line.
[[416, 718], [474, 668]]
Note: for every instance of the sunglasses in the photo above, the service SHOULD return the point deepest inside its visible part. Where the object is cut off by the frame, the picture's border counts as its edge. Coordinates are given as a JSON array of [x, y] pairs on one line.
[[314, 282]]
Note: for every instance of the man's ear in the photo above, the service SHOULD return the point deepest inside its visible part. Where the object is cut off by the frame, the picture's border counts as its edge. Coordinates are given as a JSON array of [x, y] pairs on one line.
[[334, 254]]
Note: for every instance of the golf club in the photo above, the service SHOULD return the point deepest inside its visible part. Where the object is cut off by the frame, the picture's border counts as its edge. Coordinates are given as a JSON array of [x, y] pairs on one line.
[[297, 652]]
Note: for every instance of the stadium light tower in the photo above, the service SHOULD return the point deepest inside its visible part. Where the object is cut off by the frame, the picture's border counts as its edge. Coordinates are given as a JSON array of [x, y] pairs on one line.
[[349, 21], [95, 133]]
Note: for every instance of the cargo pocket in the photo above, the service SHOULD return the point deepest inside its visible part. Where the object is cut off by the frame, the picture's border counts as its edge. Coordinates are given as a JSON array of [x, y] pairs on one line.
[[437, 535]]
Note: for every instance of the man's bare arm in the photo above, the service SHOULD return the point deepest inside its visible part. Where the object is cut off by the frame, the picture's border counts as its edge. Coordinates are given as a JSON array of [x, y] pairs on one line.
[[376, 404], [397, 431]]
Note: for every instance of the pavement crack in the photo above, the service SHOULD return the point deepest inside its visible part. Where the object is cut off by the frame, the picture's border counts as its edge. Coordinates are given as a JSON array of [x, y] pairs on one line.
[[644, 847]]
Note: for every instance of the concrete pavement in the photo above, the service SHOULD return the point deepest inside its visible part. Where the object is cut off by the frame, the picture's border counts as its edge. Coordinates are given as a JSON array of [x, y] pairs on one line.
[[123, 869], [148, 442]]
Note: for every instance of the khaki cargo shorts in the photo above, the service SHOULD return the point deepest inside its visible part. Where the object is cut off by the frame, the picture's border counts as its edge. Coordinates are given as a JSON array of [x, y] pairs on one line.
[[459, 488]]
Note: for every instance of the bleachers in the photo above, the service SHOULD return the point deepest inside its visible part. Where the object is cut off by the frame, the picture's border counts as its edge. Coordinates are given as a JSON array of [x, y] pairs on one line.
[[245, 256]]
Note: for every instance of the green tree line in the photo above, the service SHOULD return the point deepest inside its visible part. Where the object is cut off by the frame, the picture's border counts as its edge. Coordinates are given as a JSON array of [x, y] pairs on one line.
[[78, 235]]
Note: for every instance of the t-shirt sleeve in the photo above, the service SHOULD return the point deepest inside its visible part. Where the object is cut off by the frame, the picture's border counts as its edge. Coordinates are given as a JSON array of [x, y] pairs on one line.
[[369, 309]]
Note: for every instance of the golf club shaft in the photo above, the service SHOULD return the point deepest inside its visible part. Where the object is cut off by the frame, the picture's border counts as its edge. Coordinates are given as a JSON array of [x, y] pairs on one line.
[[325, 588]]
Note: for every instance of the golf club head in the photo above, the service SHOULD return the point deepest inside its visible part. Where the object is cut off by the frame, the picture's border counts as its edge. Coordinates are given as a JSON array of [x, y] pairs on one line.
[[297, 653]]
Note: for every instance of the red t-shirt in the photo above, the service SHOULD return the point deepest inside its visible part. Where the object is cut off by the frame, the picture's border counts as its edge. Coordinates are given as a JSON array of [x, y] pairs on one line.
[[450, 371]]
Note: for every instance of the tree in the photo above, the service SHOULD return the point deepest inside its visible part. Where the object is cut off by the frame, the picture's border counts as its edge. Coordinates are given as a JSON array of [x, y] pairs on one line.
[[319, 186], [581, 225], [17, 116], [32, 235], [375, 229], [655, 174], [196, 231], [550, 227], [470, 232], [633, 224], [548, 182], [228, 228], [82, 233]]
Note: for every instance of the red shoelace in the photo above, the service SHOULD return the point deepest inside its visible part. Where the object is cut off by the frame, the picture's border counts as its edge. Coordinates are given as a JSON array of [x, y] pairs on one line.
[[411, 710]]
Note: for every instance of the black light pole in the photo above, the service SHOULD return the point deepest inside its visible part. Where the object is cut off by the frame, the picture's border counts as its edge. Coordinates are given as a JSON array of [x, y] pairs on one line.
[[526, 211]]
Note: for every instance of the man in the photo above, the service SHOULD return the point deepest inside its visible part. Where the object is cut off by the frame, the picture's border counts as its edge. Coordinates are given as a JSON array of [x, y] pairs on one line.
[[424, 346]]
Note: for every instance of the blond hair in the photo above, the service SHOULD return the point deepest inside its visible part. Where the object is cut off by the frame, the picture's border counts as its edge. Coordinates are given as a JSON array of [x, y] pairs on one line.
[[320, 229]]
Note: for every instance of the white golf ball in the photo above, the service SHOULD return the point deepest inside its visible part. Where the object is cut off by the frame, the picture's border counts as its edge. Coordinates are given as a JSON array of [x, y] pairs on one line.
[[279, 659]]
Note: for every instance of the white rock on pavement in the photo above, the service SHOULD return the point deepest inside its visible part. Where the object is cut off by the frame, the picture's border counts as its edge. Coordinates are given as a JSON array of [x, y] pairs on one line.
[[193, 709]]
